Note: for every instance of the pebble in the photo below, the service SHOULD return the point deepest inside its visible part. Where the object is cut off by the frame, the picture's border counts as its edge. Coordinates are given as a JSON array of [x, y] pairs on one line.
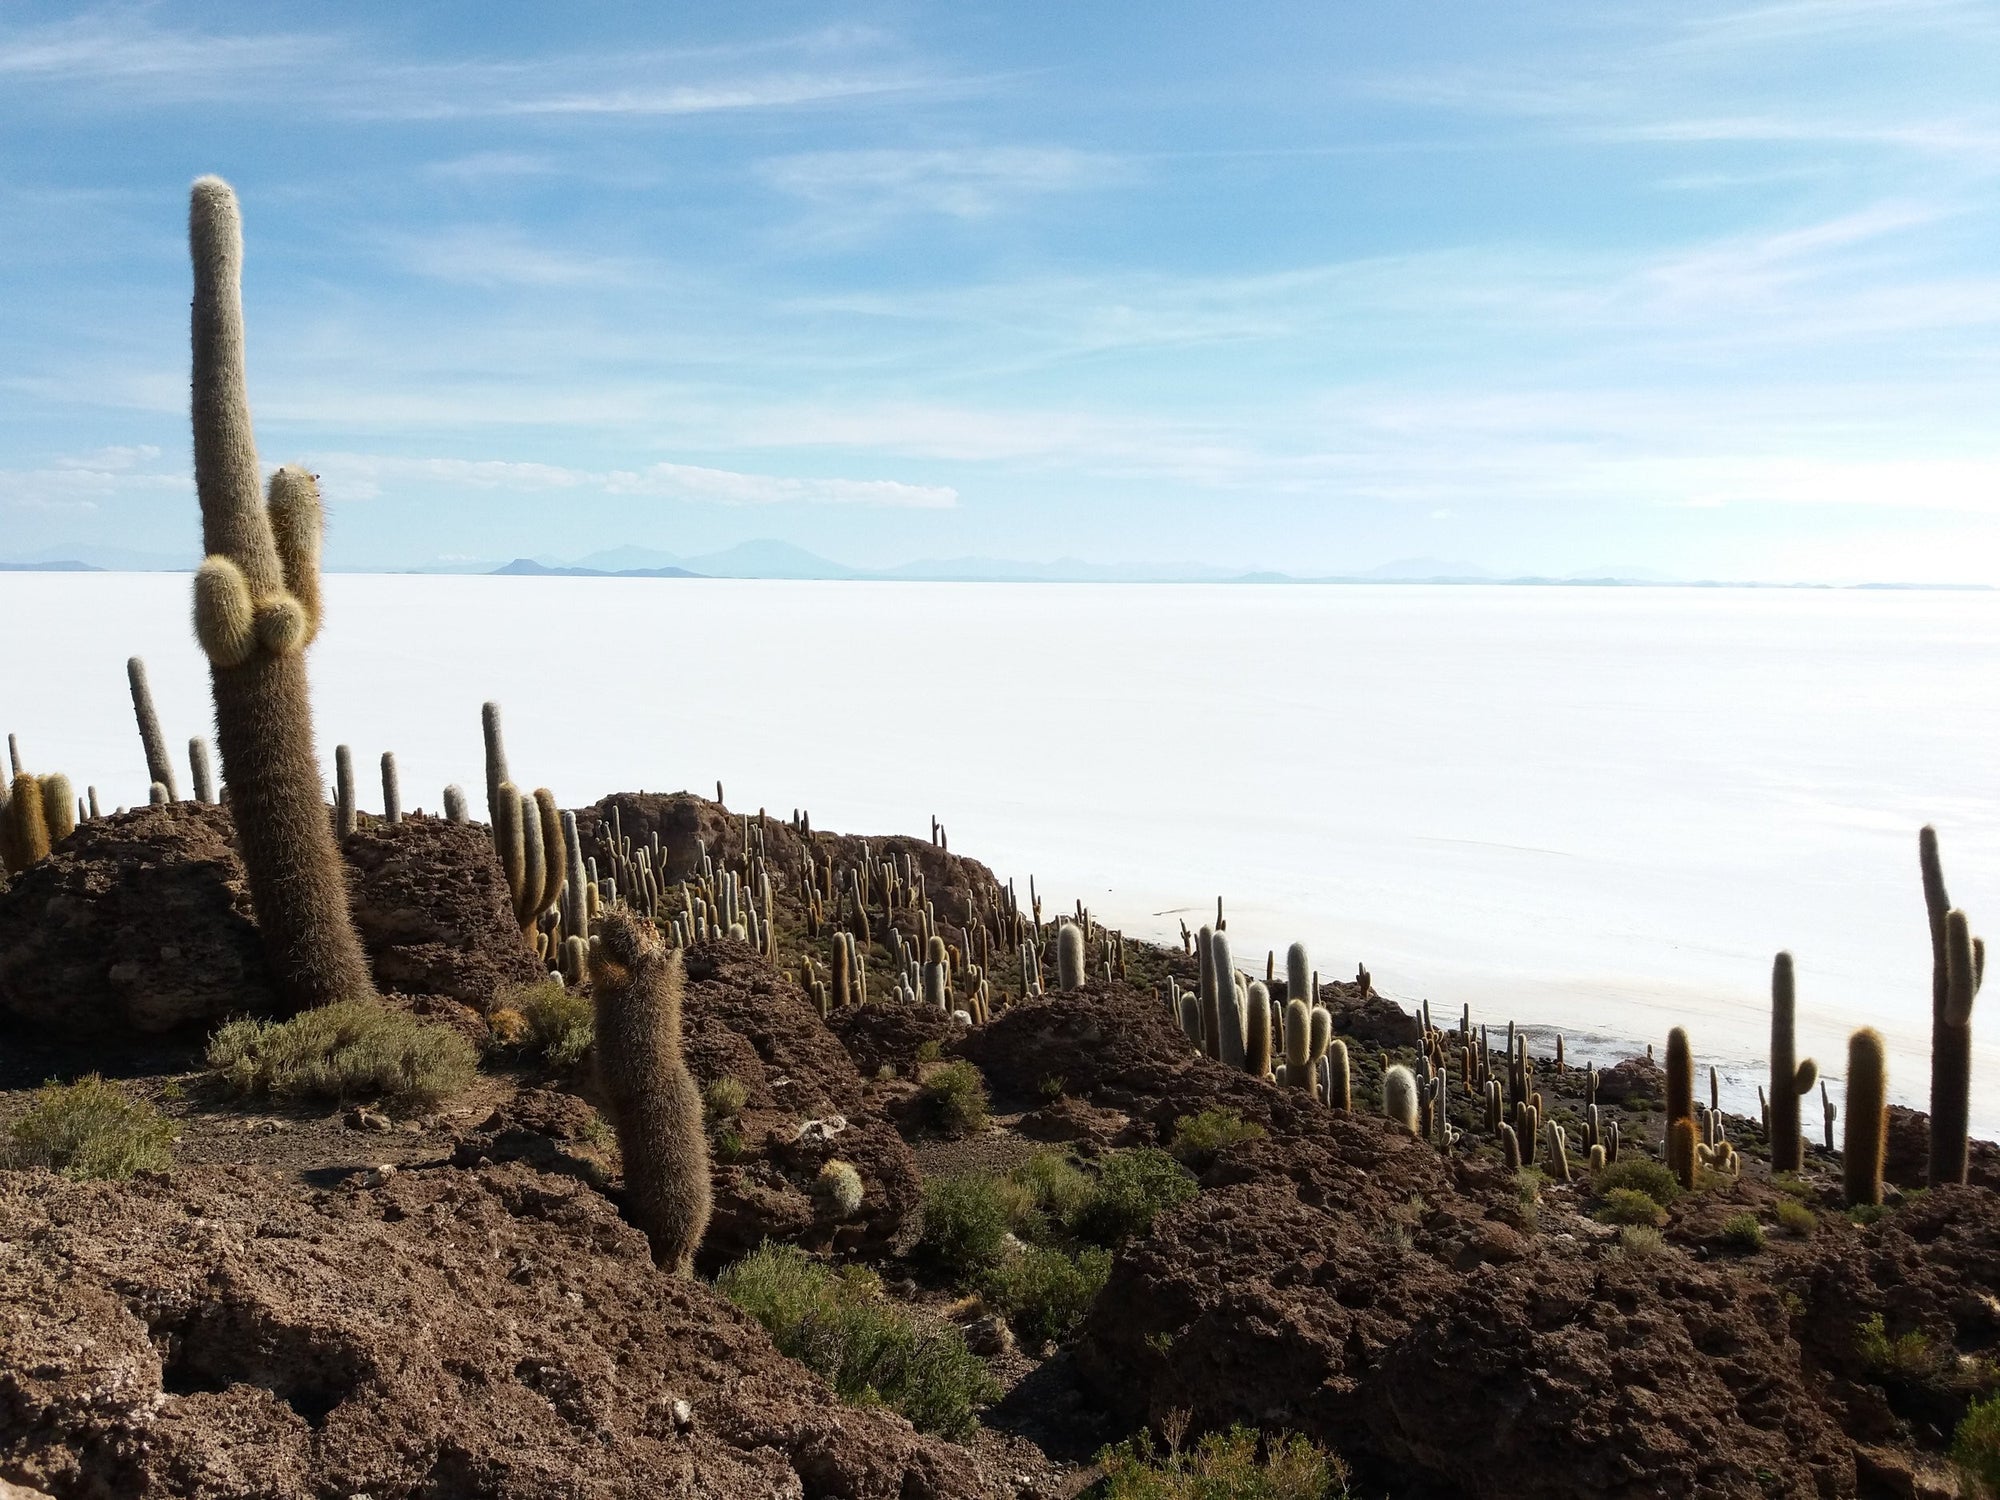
[[362, 1118]]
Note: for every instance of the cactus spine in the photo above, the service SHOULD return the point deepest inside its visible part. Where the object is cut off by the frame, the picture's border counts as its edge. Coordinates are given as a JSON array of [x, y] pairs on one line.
[[257, 608], [1069, 957], [1867, 1135], [1680, 1107], [636, 988], [1399, 1096], [1789, 1080], [159, 766]]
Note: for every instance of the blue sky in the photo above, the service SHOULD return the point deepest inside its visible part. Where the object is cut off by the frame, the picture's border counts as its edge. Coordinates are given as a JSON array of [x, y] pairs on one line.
[[1709, 290]]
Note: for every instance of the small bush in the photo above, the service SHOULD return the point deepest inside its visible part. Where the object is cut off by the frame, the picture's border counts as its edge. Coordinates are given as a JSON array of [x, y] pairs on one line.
[[954, 1098], [353, 1048], [1742, 1232], [1866, 1213], [722, 1099], [1795, 1218], [869, 1350], [1059, 1186], [1199, 1138], [1051, 1087], [728, 1144], [1223, 1466], [90, 1129], [1909, 1355], [1045, 1293], [1133, 1188], [1975, 1447], [1641, 1242], [1792, 1185], [967, 1216], [546, 1019], [927, 1052], [1624, 1206], [1639, 1175]]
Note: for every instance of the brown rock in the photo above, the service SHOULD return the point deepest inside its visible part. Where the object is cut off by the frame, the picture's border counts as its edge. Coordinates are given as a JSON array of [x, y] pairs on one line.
[[491, 1333]]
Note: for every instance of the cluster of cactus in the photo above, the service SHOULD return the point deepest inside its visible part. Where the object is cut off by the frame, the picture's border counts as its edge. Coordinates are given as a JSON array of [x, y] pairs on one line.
[[36, 813], [257, 609], [1958, 969]]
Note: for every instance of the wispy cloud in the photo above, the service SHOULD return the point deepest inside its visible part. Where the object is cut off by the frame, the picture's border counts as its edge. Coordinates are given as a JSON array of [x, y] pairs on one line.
[[863, 189], [121, 57], [80, 481], [365, 476]]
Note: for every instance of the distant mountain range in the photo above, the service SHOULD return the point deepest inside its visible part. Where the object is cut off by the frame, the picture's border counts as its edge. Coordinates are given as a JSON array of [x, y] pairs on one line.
[[781, 560]]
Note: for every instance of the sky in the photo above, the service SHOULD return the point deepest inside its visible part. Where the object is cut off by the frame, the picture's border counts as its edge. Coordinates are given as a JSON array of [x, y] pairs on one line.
[[1694, 291]]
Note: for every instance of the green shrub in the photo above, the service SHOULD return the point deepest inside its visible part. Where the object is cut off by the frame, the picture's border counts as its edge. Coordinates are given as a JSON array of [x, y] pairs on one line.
[[1795, 1218], [967, 1216], [1133, 1188], [1792, 1185], [840, 1326], [722, 1099], [1866, 1213], [1199, 1138], [1624, 1206], [1639, 1175], [90, 1129], [954, 1098], [1051, 1087], [1223, 1466], [1045, 1293], [1641, 1242], [1975, 1447], [1742, 1232], [1059, 1186], [556, 1024], [354, 1048], [1909, 1355]]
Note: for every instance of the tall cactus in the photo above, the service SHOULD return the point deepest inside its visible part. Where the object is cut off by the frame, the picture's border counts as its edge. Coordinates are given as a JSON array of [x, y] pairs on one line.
[[346, 817], [204, 779], [1680, 1107], [392, 790], [1789, 1079], [1257, 1044], [1867, 1137], [1951, 1051], [1229, 1038], [496, 759], [256, 609], [1339, 1082], [1211, 1023], [26, 824], [159, 765], [1298, 975], [58, 806], [1298, 1043]]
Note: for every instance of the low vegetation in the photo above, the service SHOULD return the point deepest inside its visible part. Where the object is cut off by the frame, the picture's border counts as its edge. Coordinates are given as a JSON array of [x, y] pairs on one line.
[[1641, 1243], [722, 1099], [1133, 1189], [1795, 1218], [840, 1326], [90, 1129], [1742, 1232], [1233, 1465], [967, 1217], [1044, 1292], [954, 1097], [1638, 1175], [1060, 1187], [550, 1020], [1975, 1447], [1627, 1206], [1199, 1139], [352, 1049]]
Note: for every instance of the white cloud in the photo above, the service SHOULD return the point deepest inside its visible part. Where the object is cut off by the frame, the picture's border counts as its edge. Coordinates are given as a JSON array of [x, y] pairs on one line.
[[969, 183], [364, 476]]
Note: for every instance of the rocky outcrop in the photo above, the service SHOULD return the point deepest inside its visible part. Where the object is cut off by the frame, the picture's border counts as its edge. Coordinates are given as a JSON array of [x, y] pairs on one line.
[[486, 1333]]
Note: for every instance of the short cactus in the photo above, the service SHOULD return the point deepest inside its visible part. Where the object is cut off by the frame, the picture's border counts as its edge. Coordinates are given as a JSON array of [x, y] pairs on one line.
[[204, 778], [1257, 1044], [1340, 1087], [838, 1189], [1399, 1097], [392, 790], [1069, 957], [454, 804], [58, 807], [1229, 1038], [27, 823], [1867, 1133], [1951, 1048], [1298, 975]]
